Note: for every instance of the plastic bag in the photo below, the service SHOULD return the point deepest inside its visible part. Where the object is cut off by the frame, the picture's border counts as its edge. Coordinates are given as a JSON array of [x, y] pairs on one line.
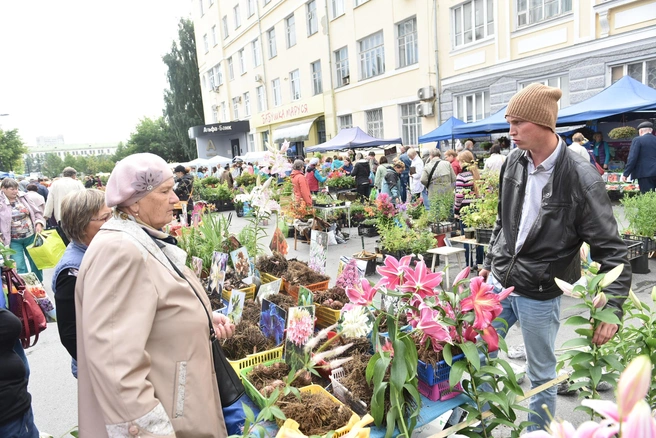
[[47, 249]]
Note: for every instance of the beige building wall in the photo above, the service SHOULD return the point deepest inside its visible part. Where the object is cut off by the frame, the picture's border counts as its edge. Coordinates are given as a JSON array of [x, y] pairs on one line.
[[398, 85]]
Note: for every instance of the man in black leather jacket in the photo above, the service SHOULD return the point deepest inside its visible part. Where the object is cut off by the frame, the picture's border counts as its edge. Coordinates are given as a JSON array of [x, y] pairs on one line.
[[551, 201]]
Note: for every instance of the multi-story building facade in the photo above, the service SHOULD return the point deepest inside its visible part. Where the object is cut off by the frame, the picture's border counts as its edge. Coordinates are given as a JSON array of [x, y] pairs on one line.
[[302, 70], [61, 150], [490, 49]]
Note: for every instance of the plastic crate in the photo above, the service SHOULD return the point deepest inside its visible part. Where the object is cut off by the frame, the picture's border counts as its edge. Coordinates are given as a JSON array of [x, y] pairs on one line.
[[648, 244], [344, 395], [268, 278], [292, 290], [255, 359], [326, 316], [251, 391], [250, 293], [483, 235], [427, 374], [634, 249], [290, 426], [439, 391]]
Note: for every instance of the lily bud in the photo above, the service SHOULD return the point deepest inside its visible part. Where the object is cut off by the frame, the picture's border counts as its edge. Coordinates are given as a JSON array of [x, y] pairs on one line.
[[653, 294], [584, 252], [568, 289], [611, 276], [636, 302], [599, 300], [639, 421], [633, 384]]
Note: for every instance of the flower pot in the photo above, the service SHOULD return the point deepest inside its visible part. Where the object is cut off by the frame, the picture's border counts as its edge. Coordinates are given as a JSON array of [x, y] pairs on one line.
[[470, 233], [483, 235], [640, 265], [440, 240], [239, 208]]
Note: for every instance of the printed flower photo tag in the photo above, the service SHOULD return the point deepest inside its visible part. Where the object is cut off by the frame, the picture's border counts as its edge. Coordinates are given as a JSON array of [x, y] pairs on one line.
[[300, 327]]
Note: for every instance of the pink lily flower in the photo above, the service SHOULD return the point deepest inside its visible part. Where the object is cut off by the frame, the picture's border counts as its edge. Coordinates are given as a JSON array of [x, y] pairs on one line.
[[420, 280], [633, 384], [600, 300], [392, 271], [432, 329], [639, 422], [462, 275], [491, 338], [363, 295], [485, 303]]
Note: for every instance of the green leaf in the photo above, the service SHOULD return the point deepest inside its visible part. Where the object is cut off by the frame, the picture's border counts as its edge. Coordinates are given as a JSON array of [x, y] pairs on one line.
[[613, 362], [595, 373], [278, 413], [585, 332], [248, 413], [607, 315], [576, 342], [580, 374], [492, 370], [399, 372], [582, 356], [378, 404], [391, 422], [457, 369], [471, 353], [446, 354], [496, 398], [577, 320], [369, 373]]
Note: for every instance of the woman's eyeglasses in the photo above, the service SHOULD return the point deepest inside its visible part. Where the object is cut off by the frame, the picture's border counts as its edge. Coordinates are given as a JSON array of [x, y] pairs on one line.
[[103, 218]]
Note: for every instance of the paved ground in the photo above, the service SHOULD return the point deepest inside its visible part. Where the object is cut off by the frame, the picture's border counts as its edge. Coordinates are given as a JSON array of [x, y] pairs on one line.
[[54, 390]]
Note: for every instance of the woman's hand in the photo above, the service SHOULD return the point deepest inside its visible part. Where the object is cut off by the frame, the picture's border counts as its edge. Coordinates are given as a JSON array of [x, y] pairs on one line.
[[38, 228], [222, 326]]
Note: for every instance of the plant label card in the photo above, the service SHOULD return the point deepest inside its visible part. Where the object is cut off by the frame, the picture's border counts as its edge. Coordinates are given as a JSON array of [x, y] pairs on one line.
[[272, 321], [197, 265], [241, 263], [236, 306], [268, 289], [318, 251], [305, 297], [300, 327], [217, 272]]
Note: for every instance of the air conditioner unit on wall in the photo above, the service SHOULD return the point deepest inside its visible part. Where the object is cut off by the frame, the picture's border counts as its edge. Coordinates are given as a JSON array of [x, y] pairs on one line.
[[426, 93], [424, 109], [346, 80], [258, 78]]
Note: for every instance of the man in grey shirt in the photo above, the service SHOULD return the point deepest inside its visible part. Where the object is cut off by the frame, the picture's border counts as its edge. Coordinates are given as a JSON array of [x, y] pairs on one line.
[[550, 201]]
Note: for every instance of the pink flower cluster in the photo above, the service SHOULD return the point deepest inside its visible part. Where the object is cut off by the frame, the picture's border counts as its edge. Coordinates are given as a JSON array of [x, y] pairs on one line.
[[301, 327], [384, 205], [349, 276]]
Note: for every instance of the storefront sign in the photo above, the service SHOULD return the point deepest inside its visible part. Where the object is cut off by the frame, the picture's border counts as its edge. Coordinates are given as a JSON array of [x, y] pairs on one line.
[[286, 113]]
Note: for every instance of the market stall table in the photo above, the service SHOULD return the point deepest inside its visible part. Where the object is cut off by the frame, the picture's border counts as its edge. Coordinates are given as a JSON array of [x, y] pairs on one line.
[[346, 206], [464, 241]]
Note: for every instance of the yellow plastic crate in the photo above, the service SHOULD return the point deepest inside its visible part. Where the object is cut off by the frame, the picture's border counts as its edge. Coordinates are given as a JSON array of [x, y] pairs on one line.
[[291, 426], [326, 316], [268, 278], [255, 359], [250, 293]]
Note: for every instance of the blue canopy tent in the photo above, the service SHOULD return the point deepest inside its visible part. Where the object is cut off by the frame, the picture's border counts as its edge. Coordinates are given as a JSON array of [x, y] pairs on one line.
[[444, 131], [351, 138], [494, 123], [625, 96]]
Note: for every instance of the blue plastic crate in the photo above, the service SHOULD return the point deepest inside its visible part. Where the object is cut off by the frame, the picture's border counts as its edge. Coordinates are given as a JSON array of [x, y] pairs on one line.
[[427, 374]]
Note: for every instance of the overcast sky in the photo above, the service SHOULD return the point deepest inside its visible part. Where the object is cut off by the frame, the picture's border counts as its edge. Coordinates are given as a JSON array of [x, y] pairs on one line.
[[86, 69]]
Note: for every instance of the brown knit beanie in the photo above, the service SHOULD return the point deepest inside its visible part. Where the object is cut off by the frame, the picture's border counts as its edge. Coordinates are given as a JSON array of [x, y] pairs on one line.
[[537, 104]]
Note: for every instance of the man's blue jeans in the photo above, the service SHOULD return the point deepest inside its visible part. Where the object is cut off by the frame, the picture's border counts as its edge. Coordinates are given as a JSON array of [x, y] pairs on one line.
[[21, 427], [539, 322]]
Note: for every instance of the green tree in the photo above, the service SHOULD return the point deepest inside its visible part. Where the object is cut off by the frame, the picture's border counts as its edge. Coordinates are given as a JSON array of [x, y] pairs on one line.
[[151, 136], [184, 104], [122, 151], [52, 165], [71, 161], [11, 149]]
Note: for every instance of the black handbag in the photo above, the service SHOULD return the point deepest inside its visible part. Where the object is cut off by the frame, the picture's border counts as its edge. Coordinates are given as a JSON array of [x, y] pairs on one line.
[[230, 386]]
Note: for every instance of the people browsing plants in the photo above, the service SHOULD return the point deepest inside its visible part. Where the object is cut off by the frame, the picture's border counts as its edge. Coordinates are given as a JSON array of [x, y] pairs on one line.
[[313, 176], [392, 182], [301, 188], [600, 149], [361, 172], [549, 204], [641, 164], [466, 193], [438, 176]]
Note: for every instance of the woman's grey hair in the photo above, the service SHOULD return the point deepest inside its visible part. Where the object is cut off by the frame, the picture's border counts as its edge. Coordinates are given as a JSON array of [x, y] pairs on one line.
[[298, 165], [8, 183], [77, 210]]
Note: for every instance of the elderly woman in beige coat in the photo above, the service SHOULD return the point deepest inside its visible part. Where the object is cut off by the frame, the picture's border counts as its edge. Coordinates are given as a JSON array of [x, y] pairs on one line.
[[145, 365]]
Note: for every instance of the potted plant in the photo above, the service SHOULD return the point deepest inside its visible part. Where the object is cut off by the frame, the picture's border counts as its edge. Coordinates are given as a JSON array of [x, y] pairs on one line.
[[640, 211], [623, 132], [481, 214], [440, 215]]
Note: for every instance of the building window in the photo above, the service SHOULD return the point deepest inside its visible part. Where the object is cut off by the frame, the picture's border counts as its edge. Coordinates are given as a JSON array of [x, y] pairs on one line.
[[375, 122], [290, 29], [277, 96], [561, 82], [200, 4], [206, 43], [407, 42], [237, 16], [257, 53], [295, 84], [235, 107], [251, 142], [210, 76], [473, 21], [535, 11], [345, 121], [410, 124], [321, 130], [372, 56], [265, 138], [261, 99], [250, 6], [218, 73], [337, 8], [242, 62], [472, 107], [342, 67], [359, 2], [214, 38], [226, 33], [271, 37], [215, 114], [211, 2], [247, 104], [224, 112], [641, 71], [231, 69], [266, 2], [317, 87], [312, 20]]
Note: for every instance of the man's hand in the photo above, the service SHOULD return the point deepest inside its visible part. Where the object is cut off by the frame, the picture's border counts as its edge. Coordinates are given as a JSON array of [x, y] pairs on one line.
[[222, 326], [483, 273], [604, 333], [38, 228]]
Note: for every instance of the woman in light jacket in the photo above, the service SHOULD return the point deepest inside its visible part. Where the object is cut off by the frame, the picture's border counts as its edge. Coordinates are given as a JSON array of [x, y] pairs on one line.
[[20, 221], [145, 365]]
